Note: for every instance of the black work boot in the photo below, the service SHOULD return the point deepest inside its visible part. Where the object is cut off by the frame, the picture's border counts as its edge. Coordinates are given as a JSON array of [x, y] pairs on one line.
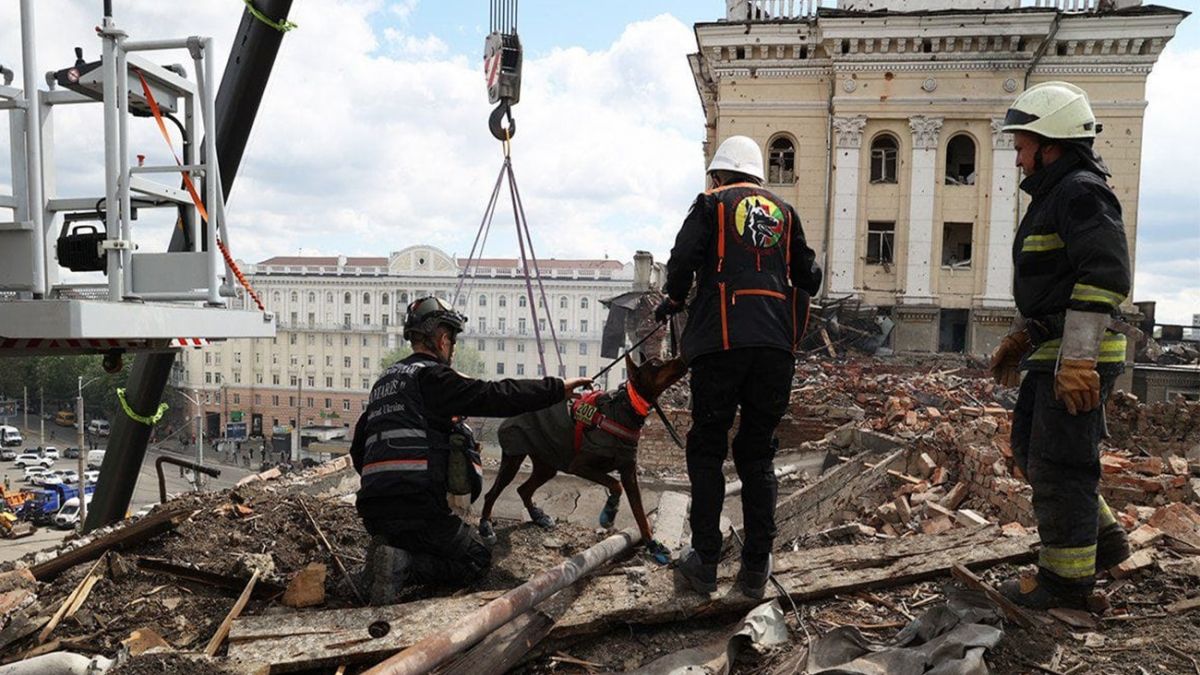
[[752, 579], [1029, 591], [701, 576], [385, 571], [1112, 547]]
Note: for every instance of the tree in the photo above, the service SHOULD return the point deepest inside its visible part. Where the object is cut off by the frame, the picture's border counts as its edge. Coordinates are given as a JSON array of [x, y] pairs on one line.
[[467, 359]]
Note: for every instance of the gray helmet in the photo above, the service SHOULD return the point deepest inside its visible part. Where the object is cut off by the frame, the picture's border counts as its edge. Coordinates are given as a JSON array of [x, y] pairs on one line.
[[426, 314]]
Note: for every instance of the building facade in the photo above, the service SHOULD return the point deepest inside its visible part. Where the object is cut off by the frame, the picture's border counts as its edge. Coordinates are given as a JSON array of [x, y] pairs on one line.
[[338, 319], [880, 120]]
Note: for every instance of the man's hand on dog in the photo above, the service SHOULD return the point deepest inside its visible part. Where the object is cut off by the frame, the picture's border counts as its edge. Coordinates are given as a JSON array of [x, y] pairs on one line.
[[575, 383]]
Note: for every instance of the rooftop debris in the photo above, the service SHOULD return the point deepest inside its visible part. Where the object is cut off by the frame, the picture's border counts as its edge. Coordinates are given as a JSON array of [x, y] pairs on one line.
[[917, 477]]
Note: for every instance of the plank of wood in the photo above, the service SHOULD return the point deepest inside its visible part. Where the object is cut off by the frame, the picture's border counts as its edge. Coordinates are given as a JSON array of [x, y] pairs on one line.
[[215, 643], [1181, 606], [71, 603], [143, 530], [312, 639], [263, 590], [1011, 610], [337, 561]]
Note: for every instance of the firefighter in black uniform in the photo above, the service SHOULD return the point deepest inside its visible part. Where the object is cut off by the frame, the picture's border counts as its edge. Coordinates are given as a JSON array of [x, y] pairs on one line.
[[403, 446], [1072, 274], [754, 275]]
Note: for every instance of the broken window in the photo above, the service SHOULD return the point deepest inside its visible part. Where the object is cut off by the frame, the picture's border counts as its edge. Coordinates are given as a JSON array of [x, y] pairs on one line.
[[884, 150], [952, 330], [960, 161], [781, 165], [881, 241], [956, 244]]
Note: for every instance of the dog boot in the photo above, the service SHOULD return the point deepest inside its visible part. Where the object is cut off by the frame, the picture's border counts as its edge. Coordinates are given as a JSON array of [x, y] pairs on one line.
[[701, 576], [609, 514], [487, 533], [752, 579], [386, 571], [1028, 591], [540, 518]]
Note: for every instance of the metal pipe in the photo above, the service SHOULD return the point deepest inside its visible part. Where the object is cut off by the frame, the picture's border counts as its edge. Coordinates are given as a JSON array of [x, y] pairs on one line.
[[123, 145], [436, 649], [33, 148], [112, 222], [162, 480], [205, 75], [152, 45]]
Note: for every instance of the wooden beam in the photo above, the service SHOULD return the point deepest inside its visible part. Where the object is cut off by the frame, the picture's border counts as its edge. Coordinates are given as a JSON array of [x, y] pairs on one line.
[[74, 599], [1010, 609], [263, 590], [143, 530], [215, 643], [313, 639]]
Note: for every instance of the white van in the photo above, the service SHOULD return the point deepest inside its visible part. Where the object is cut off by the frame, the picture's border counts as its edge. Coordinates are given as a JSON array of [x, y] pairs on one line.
[[10, 436], [95, 458], [98, 427], [68, 516]]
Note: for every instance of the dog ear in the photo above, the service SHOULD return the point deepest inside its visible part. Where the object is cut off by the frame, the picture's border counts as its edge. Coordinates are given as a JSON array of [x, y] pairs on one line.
[[630, 368]]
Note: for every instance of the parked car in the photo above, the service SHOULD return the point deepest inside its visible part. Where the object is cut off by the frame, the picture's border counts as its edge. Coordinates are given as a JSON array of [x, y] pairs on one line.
[[64, 418], [10, 436], [95, 458], [48, 480], [50, 451], [71, 453], [28, 459], [68, 475], [33, 472], [68, 516], [99, 427], [91, 476], [8, 454]]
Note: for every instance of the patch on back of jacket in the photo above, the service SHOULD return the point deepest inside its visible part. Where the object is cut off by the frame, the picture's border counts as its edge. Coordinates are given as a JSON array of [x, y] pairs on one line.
[[759, 222]]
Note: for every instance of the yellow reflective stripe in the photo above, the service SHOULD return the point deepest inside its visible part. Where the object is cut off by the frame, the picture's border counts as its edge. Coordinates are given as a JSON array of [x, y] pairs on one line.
[[1087, 293], [1106, 514], [1112, 349], [1069, 563], [1041, 242]]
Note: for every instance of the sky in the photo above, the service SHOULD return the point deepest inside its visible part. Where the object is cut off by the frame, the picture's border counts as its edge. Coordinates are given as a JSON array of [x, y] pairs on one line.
[[373, 132]]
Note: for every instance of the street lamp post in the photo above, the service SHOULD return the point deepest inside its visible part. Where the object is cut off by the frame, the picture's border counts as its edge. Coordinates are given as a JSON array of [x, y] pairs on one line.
[[81, 479]]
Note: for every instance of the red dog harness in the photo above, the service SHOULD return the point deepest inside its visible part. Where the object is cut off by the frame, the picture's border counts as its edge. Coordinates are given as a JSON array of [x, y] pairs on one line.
[[588, 416]]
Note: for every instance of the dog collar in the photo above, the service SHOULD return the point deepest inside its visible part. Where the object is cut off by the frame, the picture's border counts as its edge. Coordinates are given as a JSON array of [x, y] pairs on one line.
[[640, 406]]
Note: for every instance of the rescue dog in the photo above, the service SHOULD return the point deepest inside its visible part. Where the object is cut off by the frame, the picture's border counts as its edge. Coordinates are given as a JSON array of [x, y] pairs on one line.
[[590, 438]]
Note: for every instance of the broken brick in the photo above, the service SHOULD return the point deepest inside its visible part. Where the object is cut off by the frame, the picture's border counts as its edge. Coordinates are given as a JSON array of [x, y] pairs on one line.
[[1138, 561]]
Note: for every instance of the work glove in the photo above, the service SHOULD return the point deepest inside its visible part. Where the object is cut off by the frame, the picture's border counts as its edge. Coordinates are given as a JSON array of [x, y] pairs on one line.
[[666, 308], [1077, 384], [1006, 360], [659, 552]]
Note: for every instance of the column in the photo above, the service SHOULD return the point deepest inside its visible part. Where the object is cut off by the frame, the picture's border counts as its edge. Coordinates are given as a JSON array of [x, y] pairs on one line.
[[1002, 220], [843, 237], [918, 260]]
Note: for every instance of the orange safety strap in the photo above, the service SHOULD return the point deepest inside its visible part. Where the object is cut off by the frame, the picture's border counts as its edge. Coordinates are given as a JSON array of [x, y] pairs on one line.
[[787, 246], [191, 188], [720, 235], [724, 318]]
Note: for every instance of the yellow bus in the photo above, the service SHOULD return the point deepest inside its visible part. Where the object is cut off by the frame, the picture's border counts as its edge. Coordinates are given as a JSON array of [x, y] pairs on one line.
[[64, 418]]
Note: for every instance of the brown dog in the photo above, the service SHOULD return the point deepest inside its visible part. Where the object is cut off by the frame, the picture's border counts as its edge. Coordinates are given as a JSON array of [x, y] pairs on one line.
[[589, 438]]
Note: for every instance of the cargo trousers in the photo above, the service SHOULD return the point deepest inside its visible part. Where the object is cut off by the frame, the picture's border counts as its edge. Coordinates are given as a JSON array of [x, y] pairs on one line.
[[444, 550]]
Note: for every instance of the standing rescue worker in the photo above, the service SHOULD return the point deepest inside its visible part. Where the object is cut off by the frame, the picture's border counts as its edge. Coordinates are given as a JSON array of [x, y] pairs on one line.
[[1072, 273], [754, 275], [403, 446]]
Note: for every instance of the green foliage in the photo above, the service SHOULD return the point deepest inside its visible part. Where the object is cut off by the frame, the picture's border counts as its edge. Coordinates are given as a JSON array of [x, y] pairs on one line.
[[397, 354], [467, 359], [57, 379]]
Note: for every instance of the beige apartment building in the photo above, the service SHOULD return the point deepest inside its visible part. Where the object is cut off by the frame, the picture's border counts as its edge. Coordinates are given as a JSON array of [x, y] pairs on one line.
[[880, 122], [339, 317]]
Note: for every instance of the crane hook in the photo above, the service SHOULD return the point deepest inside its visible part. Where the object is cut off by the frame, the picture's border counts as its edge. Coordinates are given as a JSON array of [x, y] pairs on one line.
[[494, 122]]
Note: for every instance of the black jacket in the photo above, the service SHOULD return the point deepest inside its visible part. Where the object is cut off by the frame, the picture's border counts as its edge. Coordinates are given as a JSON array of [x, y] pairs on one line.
[[754, 272], [1070, 252], [441, 393]]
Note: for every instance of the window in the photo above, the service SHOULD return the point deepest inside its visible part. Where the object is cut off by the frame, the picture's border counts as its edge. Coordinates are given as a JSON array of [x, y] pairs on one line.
[[542, 325], [583, 303], [502, 301], [521, 330], [312, 297], [583, 349], [521, 301], [345, 383], [310, 401], [881, 240], [482, 345], [781, 161], [293, 360], [237, 378], [294, 298], [960, 161], [311, 382], [328, 382], [385, 318], [482, 324], [500, 368], [583, 371], [562, 348], [540, 371], [312, 318], [562, 302], [366, 383], [345, 361], [275, 379], [328, 297], [328, 403], [883, 159], [499, 345], [328, 361], [500, 324], [384, 300], [309, 360], [346, 299], [366, 363], [258, 378], [520, 347], [366, 298], [956, 244], [482, 300], [291, 338], [293, 380], [207, 378], [520, 369], [274, 399], [403, 297], [562, 325], [583, 325], [345, 340], [542, 302], [208, 358], [346, 320], [258, 399], [346, 404], [562, 371], [366, 341], [366, 319], [312, 339]]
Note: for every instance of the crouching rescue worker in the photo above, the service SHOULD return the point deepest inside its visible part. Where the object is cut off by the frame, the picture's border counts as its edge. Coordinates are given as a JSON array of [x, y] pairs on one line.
[[754, 275], [1072, 273], [409, 444]]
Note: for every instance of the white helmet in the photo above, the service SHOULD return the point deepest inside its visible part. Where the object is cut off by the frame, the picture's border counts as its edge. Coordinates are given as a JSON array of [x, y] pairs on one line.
[[1057, 110], [741, 154]]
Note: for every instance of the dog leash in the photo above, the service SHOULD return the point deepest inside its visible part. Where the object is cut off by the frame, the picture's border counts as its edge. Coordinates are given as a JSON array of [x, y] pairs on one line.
[[629, 351]]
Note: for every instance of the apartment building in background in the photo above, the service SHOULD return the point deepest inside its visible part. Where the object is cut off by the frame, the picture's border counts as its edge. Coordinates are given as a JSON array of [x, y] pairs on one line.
[[880, 121], [339, 317]]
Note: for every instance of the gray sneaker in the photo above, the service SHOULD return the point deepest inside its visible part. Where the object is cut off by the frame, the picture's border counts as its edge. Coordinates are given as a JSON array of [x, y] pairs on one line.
[[700, 576], [386, 571], [752, 582]]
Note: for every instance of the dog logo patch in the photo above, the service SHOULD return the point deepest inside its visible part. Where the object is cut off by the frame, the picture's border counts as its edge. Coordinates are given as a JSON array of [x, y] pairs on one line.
[[759, 222]]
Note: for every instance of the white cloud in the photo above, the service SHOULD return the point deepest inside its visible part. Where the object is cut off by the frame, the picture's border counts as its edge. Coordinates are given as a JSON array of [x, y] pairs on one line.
[[369, 141]]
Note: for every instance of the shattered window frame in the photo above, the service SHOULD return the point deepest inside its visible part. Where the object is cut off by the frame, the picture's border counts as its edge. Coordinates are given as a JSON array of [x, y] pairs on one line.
[[885, 160], [881, 242]]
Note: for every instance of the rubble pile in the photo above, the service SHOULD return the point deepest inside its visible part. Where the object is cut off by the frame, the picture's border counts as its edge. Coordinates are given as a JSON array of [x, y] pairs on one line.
[[1159, 429]]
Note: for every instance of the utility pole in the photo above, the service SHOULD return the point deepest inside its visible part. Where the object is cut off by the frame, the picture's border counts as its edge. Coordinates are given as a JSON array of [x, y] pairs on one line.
[[296, 433], [42, 415], [81, 480], [25, 391], [199, 438]]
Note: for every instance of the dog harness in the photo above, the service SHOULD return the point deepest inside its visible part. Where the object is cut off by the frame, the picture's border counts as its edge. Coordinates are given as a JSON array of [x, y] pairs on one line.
[[588, 416]]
